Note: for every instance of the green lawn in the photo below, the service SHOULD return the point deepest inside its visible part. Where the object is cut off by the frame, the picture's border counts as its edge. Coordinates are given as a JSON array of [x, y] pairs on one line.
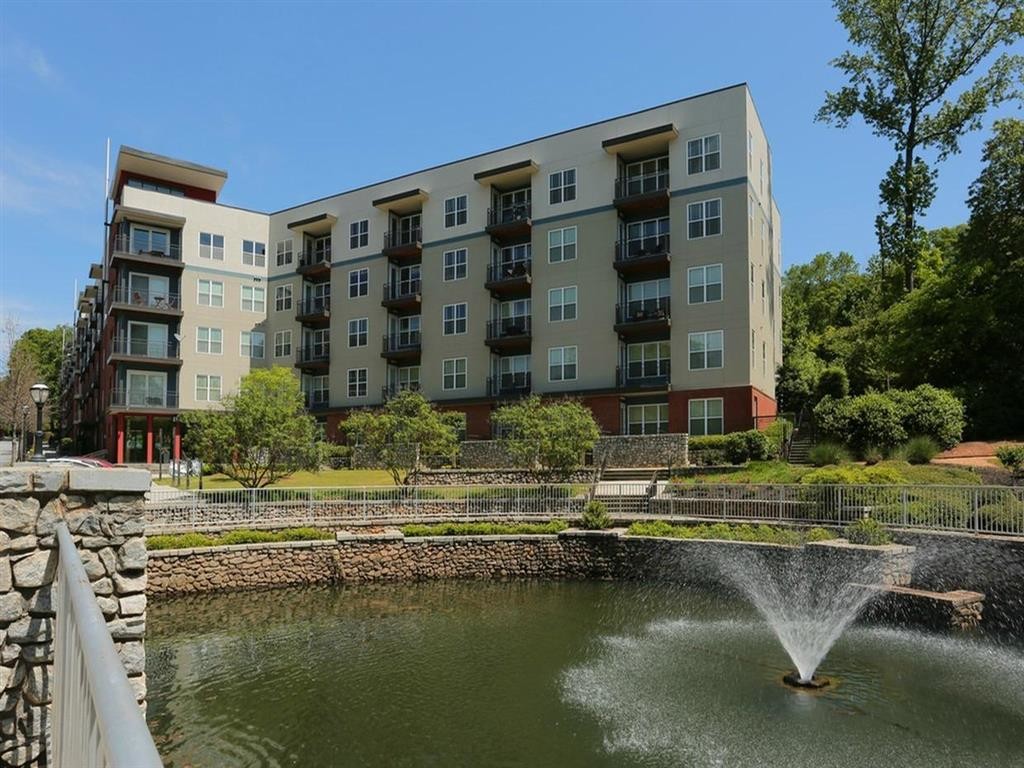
[[758, 472], [327, 478]]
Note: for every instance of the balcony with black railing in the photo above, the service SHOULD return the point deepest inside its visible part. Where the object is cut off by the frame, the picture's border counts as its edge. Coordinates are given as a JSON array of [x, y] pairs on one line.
[[509, 222], [402, 295], [509, 385], [643, 255], [509, 278], [650, 374], [644, 193], [509, 333], [313, 357], [130, 349], [401, 346], [315, 264], [151, 252], [125, 298], [644, 318], [314, 311], [128, 398], [403, 246], [317, 400]]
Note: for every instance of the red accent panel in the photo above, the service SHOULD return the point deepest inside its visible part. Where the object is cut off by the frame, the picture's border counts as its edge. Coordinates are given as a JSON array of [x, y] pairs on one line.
[[177, 441], [478, 419], [120, 439], [737, 402], [149, 439], [195, 193], [607, 410]]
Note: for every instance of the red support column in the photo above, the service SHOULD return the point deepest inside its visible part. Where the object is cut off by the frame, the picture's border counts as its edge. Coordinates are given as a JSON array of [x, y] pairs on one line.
[[176, 455], [120, 439], [149, 439]]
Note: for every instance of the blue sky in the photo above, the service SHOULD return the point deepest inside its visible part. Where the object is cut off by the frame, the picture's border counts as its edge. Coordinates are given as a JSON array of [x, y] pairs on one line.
[[301, 100]]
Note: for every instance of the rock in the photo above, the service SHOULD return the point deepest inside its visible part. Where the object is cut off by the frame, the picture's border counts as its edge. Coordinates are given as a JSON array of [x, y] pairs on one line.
[[128, 585], [134, 526], [18, 515], [35, 570], [108, 605], [49, 480], [110, 480], [6, 580], [138, 683], [23, 543], [15, 481], [30, 629], [132, 556], [12, 606], [93, 565], [20, 755], [127, 629], [9, 652], [133, 656], [37, 685], [133, 605], [107, 557], [49, 516], [41, 603], [103, 587]]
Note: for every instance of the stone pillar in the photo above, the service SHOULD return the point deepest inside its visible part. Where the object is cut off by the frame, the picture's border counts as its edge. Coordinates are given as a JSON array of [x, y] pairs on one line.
[[103, 509]]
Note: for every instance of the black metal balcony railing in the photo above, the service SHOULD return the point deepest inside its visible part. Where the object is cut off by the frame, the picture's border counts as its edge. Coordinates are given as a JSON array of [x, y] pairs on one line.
[[142, 398], [402, 289], [644, 374], [313, 353], [313, 306], [397, 238], [508, 214], [402, 341], [643, 310], [317, 400], [391, 391], [644, 184], [314, 258], [509, 270], [657, 245], [164, 300], [509, 384], [163, 350], [124, 244], [509, 327]]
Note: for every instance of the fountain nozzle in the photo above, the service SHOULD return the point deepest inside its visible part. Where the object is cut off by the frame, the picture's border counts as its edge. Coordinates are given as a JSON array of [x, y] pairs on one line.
[[816, 683]]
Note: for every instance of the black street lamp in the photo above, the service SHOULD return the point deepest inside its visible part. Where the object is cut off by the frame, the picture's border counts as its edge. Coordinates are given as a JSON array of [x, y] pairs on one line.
[[39, 393], [24, 432]]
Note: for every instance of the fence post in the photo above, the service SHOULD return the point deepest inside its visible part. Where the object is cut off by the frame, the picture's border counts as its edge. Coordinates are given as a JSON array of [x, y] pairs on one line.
[[904, 511], [309, 503], [782, 501], [975, 522]]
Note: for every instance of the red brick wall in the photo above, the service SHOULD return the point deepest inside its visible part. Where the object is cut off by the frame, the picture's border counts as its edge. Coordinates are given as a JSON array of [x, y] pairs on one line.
[[607, 412], [737, 402]]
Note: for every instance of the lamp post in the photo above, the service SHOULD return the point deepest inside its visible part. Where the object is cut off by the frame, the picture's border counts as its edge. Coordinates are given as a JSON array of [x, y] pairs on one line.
[[24, 432], [39, 393]]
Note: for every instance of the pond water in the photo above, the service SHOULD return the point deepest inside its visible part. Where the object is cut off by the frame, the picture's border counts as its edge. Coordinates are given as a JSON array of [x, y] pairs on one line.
[[557, 674]]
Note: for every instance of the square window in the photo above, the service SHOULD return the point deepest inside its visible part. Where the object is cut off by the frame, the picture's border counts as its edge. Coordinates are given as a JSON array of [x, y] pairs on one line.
[[562, 364], [285, 252], [453, 373], [562, 304], [358, 332], [208, 388], [647, 419], [253, 344], [357, 378], [455, 264], [282, 298], [254, 254], [283, 344], [454, 318], [209, 341], [703, 154], [211, 246], [706, 350], [704, 284], [358, 283], [706, 416], [254, 298], [359, 234], [210, 293], [562, 186], [455, 211], [561, 245], [704, 219]]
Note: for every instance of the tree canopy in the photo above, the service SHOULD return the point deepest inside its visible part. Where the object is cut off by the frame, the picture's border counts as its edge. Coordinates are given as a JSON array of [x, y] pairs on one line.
[[554, 434]]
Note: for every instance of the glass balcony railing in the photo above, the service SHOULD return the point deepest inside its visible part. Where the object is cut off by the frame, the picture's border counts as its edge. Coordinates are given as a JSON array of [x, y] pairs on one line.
[[161, 350], [146, 299]]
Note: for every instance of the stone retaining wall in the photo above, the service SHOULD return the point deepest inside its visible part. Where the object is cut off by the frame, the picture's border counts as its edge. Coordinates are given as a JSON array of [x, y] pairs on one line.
[[642, 450], [501, 477]]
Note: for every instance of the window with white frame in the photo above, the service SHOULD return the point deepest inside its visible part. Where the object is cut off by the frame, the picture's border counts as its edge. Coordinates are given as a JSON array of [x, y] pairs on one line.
[[150, 240], [454, 316], [512, 259], [646, 176], [254, 298], [707, 416], [650, 360], [513, 372], [562, 304], [208, 388], [282, 343], [562, 364], [253, 344], [359, 234], [455, 264], [285, 251], [455, 211], [648, 299], [358, 283], [561, 245], [209, 341], [406, 378], [254, 254], [704, 219], [703, 154], [704, 283], [282, 298], [318, 342], [407, 330], [357, 382], [647, 419], [210, 293], [650, 236], [705, 350], [562, 186], [453, 373], [211, 246], [318, 389], [358, 331]]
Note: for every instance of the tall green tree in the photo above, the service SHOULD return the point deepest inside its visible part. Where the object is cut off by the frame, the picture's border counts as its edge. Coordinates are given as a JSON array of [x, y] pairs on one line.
[[45, 347], [906, 82], [554, 434], [260, 435]]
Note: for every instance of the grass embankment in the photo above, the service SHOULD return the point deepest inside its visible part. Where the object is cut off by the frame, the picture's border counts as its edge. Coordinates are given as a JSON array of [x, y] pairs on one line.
[[883, 473], [483, 529], [325, 478], [242, 536], [725, 532]]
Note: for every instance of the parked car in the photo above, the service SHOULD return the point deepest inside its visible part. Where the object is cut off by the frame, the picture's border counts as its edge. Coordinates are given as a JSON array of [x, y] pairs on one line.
[[81, 461]]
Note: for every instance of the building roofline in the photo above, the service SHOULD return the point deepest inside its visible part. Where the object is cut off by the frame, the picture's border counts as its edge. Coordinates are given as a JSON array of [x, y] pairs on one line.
[[165, 160]]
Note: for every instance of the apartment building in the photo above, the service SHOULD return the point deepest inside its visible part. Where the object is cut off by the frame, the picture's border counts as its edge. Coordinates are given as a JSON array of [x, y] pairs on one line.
[[633, 263]]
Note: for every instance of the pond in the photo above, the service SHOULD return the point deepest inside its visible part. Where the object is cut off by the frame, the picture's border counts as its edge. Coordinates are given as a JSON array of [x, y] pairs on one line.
[[557, 674]]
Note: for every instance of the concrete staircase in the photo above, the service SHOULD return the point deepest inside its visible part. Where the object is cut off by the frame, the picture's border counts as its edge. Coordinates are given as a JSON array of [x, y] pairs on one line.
[[800, 448]]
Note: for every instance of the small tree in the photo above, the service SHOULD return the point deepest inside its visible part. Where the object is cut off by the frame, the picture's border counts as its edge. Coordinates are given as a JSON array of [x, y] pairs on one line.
[[403, 430], [554, 435], [260, 435]]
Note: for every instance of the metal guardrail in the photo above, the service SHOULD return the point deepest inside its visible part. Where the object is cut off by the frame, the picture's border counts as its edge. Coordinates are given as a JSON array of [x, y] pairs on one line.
[[97, 722]]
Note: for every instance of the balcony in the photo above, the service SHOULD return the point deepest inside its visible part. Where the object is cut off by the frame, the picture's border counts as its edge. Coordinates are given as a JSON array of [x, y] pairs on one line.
[[317, 400], [638, 195], [509, 385], [644, 256], [315, 265], [403, 246], [314, 311], [314, 357], [509, 223], [402, 295], [657, 375], [166, 303], [391, 391], [508, 334], [129, 350], [402, 346], [511, 278], [644, 319], [143, 400], [124, 251]]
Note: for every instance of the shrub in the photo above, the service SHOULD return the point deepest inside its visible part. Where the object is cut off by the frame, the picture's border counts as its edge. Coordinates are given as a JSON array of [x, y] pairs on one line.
[[884, 475], [872, 454], [595, 516], [727, 532], [336, 455], [835, 476], [741, 447], [827, 453], [240, 536], [483, 529], [1005, 515], [777, 433], [1011, 457], [932, 412], [833, 382], [819, 534], [872, 419], [707, 449], [869, 531], [919, 450]]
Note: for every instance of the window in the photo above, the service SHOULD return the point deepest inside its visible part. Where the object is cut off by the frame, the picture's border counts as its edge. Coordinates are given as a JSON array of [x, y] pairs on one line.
[[648, 299], [561, 245], [453, 373], [646, 176], [359, 234], [210, 293], [562, 364], [562, 186], [455, 211], [705, 350], [455, 264], [513, 258], [254, 254], [514, 205], [283, 298], [207, 388], [150, 240], [318, 390], [358, 330], [407, 329], [146, 388], [253, 344], [358, 283], [209, 341], [285, 252], [703, 154], [705, 219], [357, 382], [151, 187], [454, 319], [406, 379], [283, 344], [211, 246], [254, 298], [650, 236], [647, 419], [650, 360], [706, 417], [513, 373], [704, 283], [562, 304], [317, 343]]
